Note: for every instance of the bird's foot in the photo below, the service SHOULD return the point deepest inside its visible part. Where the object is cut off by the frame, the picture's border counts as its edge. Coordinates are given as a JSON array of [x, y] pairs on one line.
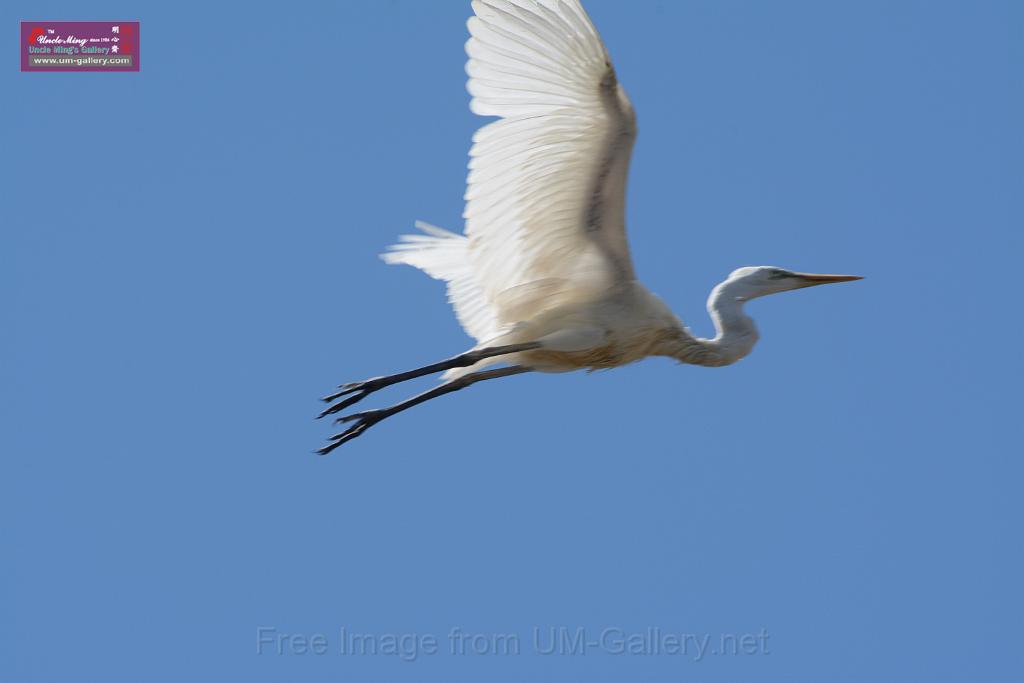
[[358, 391], [363, 421]]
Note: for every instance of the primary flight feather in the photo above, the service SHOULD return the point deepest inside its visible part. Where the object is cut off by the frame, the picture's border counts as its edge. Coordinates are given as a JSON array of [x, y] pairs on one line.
[[542, 277]]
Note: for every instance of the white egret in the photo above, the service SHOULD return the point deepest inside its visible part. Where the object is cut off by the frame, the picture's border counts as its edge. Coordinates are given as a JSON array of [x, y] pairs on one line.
[[542, 277]]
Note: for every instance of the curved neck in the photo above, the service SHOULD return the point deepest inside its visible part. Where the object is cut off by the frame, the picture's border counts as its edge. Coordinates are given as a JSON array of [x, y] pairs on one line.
[[735, 332]]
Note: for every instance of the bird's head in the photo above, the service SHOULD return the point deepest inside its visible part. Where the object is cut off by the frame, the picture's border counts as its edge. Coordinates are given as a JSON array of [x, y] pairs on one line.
[[754, 281]]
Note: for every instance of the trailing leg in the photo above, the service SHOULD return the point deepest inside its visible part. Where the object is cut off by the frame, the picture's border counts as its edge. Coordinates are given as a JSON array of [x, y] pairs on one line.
[[368, 418], [357, 391]]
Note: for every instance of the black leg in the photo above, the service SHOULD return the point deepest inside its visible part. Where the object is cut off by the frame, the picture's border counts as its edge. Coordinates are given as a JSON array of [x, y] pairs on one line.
[[368, 418], [360, 390]]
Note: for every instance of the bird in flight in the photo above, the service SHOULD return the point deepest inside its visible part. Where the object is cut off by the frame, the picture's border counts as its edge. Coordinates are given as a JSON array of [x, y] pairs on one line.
[[542, 279]]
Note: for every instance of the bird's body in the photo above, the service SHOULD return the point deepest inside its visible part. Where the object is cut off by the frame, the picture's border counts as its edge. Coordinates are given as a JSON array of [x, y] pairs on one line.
[[543, 278], [623, 325]]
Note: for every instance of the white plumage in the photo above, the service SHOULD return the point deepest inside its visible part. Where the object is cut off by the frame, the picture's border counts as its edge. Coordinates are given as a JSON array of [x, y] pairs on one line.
[[542, 278], [545, 194]]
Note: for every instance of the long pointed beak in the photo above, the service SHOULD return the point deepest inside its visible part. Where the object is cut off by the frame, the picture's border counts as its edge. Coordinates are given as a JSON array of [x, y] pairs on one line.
[[812, 279]]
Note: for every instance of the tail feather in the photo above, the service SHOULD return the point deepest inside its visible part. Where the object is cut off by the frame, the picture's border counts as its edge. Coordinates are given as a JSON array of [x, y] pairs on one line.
[[439, 253], [445, 255]]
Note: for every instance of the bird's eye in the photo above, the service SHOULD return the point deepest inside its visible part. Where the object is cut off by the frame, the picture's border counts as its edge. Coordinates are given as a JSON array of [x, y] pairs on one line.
[[778, 274]]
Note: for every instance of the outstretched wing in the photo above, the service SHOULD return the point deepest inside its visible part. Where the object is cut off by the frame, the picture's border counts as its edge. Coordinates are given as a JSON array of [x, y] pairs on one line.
[[545, 201]]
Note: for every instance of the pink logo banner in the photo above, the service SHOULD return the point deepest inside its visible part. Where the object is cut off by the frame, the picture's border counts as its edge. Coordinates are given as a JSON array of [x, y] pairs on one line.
[[79, 46]]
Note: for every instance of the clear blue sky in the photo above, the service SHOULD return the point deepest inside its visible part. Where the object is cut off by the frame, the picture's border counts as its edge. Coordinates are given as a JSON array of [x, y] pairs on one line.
[[189, 259]]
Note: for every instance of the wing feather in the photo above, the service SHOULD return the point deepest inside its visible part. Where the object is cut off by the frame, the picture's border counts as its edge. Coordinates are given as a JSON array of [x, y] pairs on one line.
[[545, 195], [545, 192]]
